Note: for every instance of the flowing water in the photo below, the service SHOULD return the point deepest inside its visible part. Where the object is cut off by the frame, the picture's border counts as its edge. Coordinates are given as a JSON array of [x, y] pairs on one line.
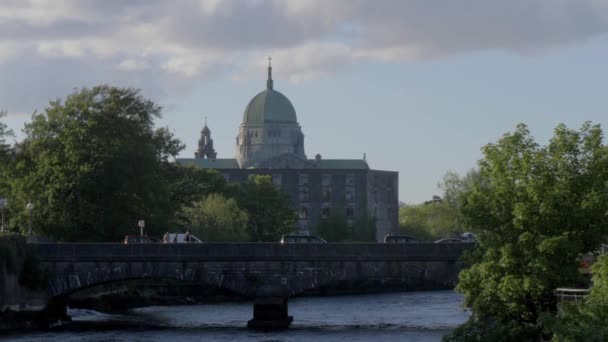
[[407, 316]]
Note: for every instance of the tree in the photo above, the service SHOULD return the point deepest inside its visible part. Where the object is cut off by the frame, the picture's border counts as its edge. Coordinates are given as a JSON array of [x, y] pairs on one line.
[[454, 187], [268, 207], [217, 218], [429, 221], [93, 165], [535, 210], [586, 321], [334, 229]]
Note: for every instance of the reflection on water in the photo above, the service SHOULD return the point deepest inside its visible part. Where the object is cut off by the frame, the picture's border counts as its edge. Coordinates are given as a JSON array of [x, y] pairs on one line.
[[412, 316]]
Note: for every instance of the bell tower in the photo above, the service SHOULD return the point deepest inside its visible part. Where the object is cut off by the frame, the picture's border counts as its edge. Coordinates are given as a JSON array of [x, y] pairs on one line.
[[205, 144]]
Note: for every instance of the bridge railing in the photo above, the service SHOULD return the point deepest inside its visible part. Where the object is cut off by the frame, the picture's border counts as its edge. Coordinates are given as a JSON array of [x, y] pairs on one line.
[[250, 251]]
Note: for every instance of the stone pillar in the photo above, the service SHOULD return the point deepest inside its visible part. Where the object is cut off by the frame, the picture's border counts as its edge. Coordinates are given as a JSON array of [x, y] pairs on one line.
[[270, 313], [270, 310]]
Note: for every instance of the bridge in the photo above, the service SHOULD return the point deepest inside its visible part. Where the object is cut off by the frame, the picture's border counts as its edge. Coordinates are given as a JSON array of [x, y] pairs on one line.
[[267, 272]]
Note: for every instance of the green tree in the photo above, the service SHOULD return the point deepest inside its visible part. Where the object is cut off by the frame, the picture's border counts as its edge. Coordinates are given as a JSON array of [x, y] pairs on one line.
[[587, 321], [428, 221], [334, 229], [536, 209], [268, 207], [93, 165], [217, 218], [5, 155]]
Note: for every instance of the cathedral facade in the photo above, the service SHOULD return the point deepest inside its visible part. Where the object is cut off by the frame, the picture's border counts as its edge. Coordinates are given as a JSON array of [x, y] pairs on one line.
[[270, 142]]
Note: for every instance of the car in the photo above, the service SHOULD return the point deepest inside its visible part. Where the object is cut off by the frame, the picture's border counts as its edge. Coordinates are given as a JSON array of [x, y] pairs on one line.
[[180, 238], [131, 239], [399, 239], [450, 240], [468, 237], [297, 238]]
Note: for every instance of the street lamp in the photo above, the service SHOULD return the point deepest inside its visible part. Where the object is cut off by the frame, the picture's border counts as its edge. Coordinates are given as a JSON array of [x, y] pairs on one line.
[[29, 208], [3, 203], [141, 224]]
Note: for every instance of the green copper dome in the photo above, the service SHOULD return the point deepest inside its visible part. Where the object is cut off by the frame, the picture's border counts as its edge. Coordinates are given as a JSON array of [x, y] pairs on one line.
[[269, 106]]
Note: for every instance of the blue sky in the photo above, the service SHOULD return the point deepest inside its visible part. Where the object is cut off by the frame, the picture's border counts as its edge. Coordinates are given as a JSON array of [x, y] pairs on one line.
[[419, 86]]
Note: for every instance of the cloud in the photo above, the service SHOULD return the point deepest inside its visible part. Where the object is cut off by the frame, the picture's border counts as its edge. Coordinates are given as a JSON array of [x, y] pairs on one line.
[[47, 47]]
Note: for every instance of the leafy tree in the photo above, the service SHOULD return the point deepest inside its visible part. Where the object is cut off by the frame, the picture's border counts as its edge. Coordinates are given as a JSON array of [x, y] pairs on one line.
[[535, 210], [268, 207], [5, 133], [336, 228], [5, 155], [333, 229], [587, 321], [429, 221], [93, 165], [454, 187], [217, 218]]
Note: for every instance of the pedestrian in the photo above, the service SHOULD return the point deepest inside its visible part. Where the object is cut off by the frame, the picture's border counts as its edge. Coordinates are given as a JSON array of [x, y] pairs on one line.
[[166, 238], [187, 237]]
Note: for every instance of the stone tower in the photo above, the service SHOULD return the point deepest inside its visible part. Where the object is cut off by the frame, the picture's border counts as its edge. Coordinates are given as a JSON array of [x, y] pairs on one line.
[[205, 144], [269, 129]]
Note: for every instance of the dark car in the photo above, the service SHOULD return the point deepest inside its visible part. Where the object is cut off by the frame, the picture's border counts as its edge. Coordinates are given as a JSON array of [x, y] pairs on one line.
[[450, 240], [301, 239], [130, 239], [399, 239]]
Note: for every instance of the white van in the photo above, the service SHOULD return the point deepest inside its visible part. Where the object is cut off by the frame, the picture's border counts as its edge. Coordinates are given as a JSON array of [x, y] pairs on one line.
[[180, 238]]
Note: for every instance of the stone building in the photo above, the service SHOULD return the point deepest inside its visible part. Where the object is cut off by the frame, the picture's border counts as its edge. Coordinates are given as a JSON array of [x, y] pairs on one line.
[[270, 142]]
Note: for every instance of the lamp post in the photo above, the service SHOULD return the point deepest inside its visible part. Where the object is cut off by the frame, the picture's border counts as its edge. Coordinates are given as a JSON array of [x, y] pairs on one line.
[[3, 203], [29, 207], [141, 224]]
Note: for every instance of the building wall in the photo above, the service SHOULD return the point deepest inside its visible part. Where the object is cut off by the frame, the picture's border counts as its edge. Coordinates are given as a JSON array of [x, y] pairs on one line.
[[318, 193]]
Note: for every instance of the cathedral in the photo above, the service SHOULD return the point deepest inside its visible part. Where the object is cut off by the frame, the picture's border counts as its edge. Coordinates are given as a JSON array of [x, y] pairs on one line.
[[270, 142]]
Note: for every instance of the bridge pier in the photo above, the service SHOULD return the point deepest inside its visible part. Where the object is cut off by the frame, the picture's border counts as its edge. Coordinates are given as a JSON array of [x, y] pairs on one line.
[[270, 313], [270, 310]]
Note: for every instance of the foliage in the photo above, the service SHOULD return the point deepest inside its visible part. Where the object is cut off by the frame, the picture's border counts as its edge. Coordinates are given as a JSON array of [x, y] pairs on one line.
[[20, 259], [587, 321], [534, 211], [430, 221], [93, 165], [217, 218], [336, 228], [270, 214]]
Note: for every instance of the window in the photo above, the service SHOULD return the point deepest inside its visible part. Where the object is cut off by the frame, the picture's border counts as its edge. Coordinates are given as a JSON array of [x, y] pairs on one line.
[[303, 194], [350, 179], [303, 179], [326, 195], [325, 213], [350, 212], [303, 213], [350, 194], [277, 180], [326, 180]]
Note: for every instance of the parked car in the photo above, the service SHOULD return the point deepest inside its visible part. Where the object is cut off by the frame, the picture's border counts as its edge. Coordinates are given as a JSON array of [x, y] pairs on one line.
[[399, 239], [181, 238], [130, 239], [469, 237], [450, 240], [301, 239]]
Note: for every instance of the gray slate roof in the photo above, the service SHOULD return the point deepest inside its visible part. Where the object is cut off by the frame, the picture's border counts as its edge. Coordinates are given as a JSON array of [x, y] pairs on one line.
[[327, 164]]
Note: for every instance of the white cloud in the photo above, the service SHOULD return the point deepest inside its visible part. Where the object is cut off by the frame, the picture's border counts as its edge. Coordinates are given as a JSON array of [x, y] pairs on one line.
[[160, 40]]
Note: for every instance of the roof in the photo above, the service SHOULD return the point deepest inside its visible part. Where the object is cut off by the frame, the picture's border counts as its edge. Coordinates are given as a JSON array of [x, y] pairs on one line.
[[357, 164], [328, 164], [269, 106], [209, 163]]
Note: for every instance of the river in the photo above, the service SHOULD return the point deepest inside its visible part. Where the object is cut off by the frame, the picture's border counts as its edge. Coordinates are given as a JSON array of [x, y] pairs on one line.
[[406, 316]]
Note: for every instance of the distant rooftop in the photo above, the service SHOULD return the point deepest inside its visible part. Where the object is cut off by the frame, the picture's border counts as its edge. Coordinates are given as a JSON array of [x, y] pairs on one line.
[[328, 164]]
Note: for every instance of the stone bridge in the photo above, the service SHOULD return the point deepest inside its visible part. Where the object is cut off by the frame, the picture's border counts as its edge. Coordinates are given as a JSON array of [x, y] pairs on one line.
[[256, 270]]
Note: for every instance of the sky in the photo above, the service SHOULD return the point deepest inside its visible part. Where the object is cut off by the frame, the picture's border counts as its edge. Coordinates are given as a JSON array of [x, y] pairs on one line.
[[418, 86]]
